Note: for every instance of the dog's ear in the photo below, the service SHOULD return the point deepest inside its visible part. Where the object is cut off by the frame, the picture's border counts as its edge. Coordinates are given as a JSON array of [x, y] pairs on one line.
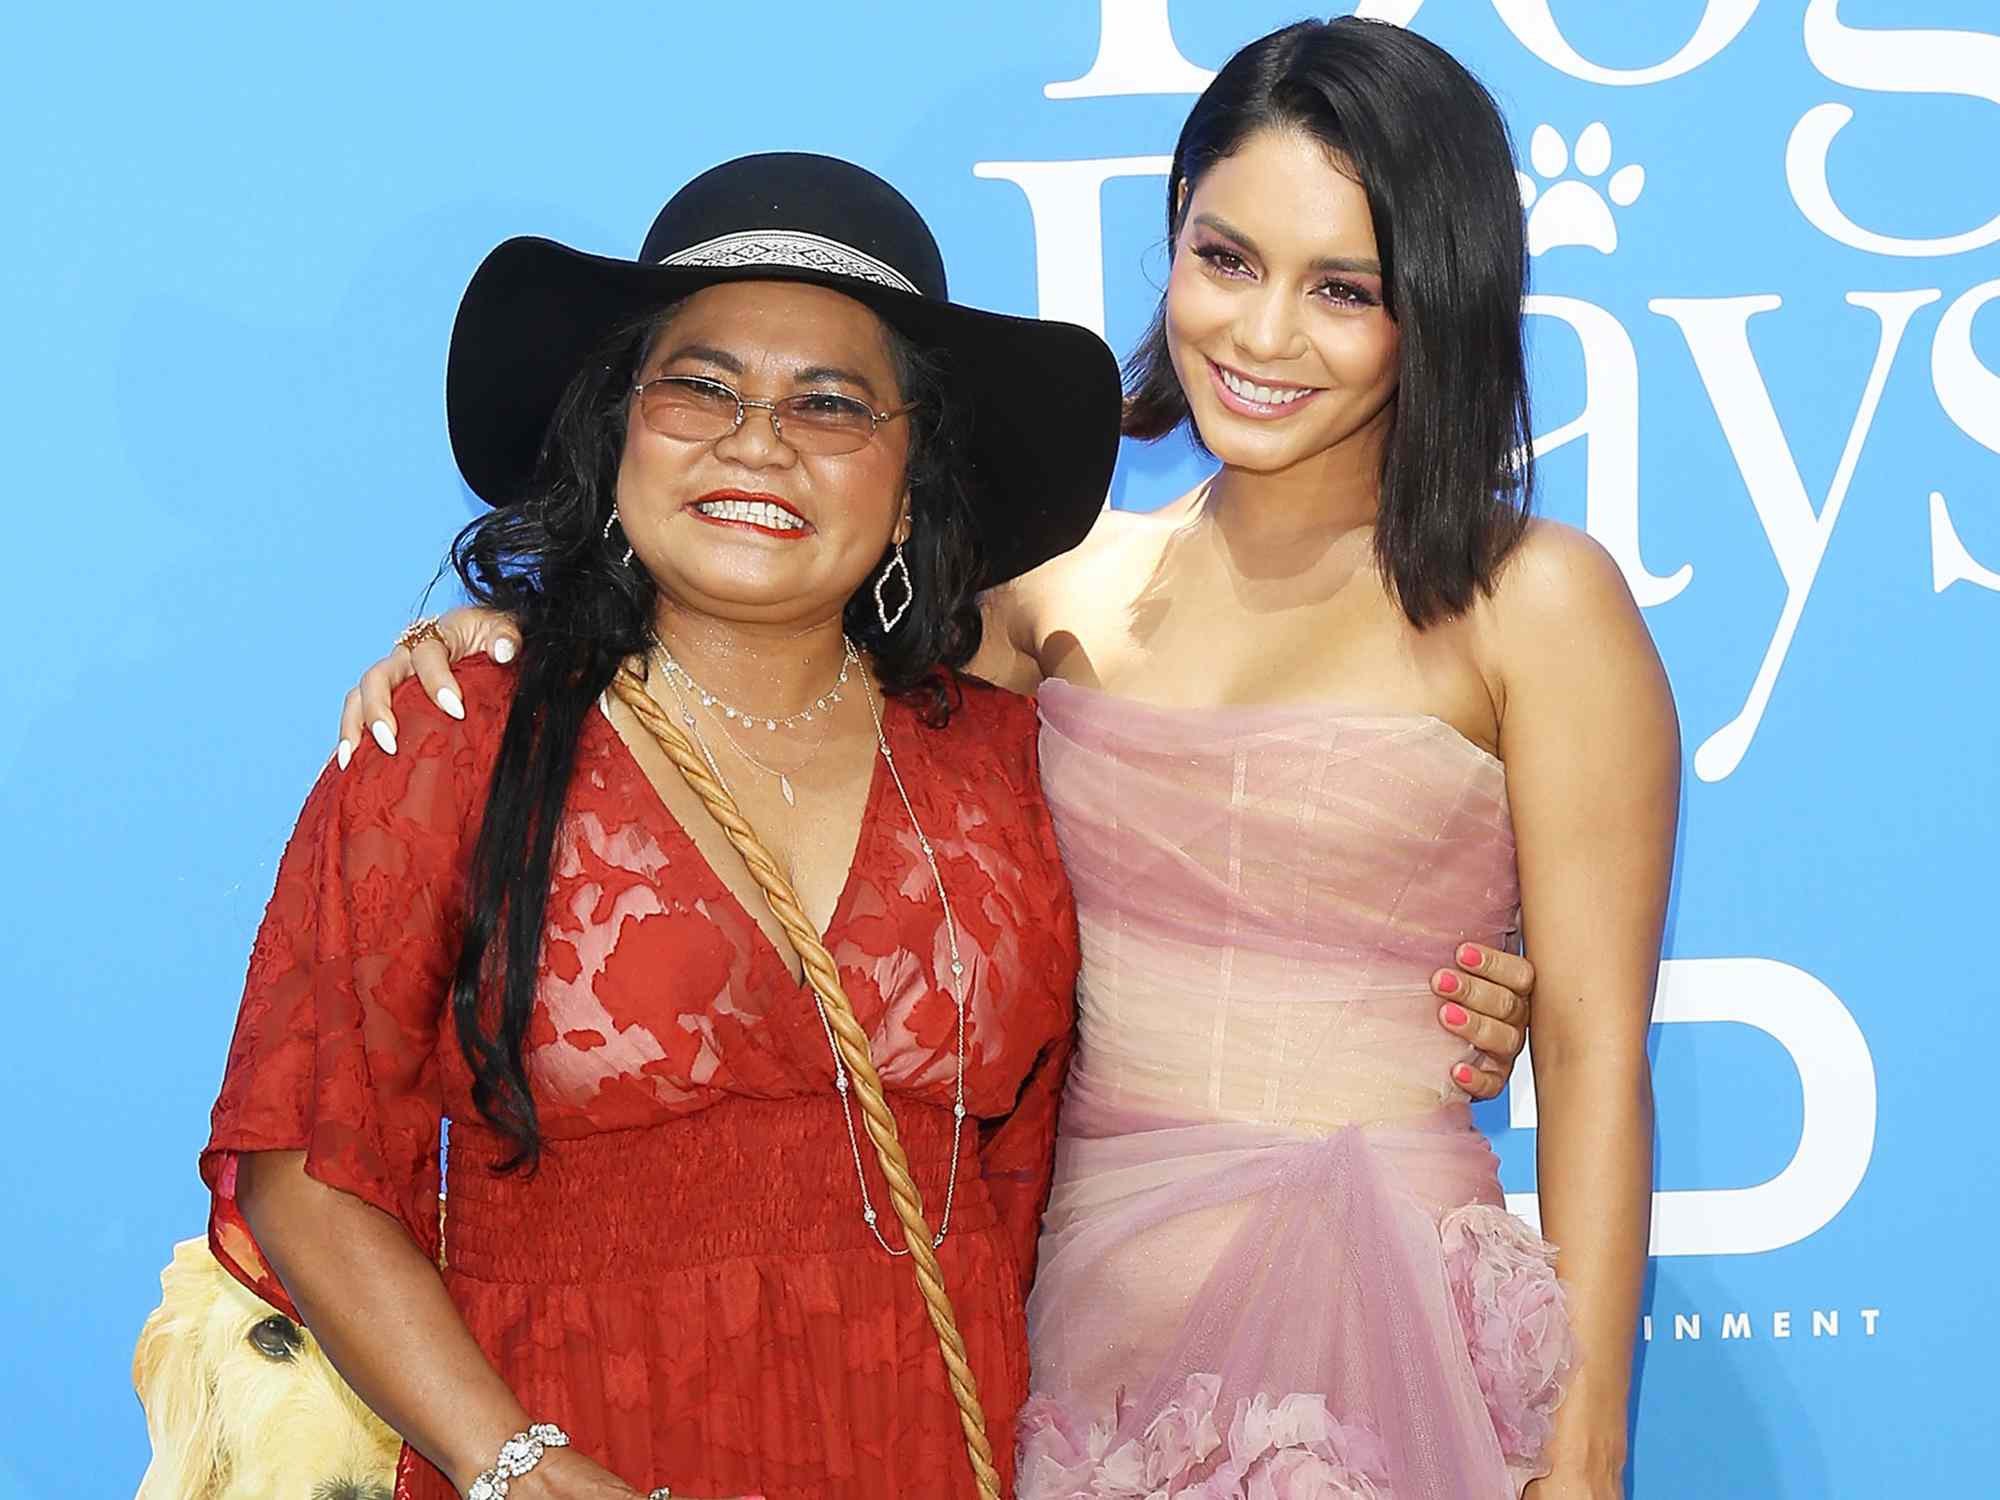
[[175, 1387]]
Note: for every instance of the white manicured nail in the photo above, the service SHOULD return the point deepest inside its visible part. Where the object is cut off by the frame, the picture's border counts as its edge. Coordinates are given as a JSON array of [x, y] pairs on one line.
[[448, 701], [343, 753], [503, 650], [384, 736]]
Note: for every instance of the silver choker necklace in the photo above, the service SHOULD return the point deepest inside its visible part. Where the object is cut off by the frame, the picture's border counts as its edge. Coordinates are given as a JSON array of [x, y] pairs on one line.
[[821, 704]]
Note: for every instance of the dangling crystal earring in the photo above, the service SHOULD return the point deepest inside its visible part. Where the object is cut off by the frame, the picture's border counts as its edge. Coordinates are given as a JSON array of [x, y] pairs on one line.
[[609, 522], [896, 565]]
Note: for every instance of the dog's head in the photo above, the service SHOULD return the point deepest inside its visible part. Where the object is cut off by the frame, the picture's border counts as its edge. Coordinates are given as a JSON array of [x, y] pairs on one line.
[[241, 1403]]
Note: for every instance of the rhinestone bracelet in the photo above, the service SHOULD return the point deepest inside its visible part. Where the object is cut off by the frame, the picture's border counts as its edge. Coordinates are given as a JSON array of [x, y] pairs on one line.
[[518, 1455]]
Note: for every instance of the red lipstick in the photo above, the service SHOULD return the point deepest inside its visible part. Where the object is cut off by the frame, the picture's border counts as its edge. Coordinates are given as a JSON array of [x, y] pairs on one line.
[[751, 510]]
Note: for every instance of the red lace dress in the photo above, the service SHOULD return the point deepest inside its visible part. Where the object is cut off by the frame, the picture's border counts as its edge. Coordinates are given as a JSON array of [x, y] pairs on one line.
[[686, 1284]]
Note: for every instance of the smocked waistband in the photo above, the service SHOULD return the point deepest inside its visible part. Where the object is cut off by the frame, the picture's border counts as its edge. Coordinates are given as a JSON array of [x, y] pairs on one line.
[[743, 1177]]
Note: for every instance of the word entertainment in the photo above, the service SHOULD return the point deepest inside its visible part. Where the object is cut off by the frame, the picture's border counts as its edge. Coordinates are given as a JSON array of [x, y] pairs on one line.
[[1689, 1328]]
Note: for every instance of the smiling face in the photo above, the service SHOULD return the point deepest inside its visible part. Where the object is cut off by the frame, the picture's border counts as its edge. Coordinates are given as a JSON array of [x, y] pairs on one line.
[[1275, 317], [745, 527]]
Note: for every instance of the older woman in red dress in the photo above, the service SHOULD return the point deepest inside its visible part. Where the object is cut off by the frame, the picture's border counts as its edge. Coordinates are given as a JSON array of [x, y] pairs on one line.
[[779, 480], [663, 1238]]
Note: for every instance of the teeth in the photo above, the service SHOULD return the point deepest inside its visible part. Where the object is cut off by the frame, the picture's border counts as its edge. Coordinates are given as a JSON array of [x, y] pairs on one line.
[[1263, 395], [756, 512]]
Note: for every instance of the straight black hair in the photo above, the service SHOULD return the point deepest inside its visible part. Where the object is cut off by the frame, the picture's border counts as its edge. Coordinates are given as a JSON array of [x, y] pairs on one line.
[[582, 611], [1427, 145]]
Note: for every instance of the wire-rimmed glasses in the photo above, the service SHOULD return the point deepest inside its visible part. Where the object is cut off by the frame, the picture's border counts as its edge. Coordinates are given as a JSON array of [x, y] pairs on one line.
[[696, 409]]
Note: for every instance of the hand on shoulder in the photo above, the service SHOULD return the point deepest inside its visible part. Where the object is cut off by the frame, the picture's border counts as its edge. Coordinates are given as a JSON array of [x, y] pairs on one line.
[[461, 634]]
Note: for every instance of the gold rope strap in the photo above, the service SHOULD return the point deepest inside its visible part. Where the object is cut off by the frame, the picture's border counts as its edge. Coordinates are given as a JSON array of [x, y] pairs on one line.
[[852, 1042]]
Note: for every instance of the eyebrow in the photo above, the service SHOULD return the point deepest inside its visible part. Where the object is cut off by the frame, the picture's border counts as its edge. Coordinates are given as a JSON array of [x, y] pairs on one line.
[[707, 354], [838, 373], [815, 375], [1324, 263]]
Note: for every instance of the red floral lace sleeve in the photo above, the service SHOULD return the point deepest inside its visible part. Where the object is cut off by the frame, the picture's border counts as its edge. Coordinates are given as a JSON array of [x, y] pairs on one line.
[[1017, 1151], [336, 1044], [1017, 1154]]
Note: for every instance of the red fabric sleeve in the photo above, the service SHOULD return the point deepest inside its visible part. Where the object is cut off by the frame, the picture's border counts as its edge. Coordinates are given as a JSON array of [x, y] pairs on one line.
[[1017, 1151], [336, 1044], [1017, 1155]]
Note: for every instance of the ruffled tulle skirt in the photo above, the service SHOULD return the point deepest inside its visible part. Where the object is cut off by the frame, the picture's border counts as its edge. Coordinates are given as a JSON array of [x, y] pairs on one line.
[[1238, 1312]]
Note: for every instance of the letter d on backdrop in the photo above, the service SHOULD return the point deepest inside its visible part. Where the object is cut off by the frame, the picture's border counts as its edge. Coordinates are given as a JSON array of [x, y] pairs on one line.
[[1836, 1135]]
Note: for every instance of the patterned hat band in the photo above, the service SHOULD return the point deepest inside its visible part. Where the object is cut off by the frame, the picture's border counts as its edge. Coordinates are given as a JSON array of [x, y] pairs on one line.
[[794, 248]]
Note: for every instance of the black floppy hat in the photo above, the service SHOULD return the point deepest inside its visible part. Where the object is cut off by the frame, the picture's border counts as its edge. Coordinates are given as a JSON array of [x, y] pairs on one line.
[[1041, 400]]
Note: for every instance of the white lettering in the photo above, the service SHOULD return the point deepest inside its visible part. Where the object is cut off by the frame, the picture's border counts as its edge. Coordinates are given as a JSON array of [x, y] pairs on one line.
[[1136, 54], [1781, 1325], [1966, 389], [1837, 1088], [1396, 12], [1065, 199], [1868, 1317], [1646, 1329], [1827, 1323], [1718, 336], [1687, 1326], [1889, 62], [1736, 1325], [1535, 27], [1951, 561], [1970, 396], [1610, 420]]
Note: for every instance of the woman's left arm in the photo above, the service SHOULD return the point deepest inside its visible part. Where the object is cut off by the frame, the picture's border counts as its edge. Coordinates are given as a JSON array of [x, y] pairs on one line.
[[1592, 749]]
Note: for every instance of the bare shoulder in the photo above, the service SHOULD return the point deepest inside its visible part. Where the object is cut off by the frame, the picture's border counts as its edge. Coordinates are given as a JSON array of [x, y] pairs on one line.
[[1560, 579], [1562, 633], [1122, 543], [1124, 546], [1111, 537]]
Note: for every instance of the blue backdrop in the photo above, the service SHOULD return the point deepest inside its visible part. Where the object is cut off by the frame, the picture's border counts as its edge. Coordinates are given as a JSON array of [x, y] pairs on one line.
[[1767, 261]]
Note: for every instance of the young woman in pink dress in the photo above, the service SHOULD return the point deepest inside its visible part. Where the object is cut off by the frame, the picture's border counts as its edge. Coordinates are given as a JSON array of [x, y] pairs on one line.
[[1342, 705]]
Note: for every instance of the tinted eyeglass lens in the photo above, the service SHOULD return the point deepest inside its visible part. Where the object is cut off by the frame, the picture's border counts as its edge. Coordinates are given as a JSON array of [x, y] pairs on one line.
[[694, 410], [697, 410], [822, 422]]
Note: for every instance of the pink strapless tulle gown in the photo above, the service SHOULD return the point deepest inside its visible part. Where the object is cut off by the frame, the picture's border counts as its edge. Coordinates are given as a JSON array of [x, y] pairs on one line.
[[1276, 1264]]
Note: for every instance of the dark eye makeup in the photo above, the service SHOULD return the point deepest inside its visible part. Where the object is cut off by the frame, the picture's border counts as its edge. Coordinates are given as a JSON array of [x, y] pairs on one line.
[[1348, 293], [1222, 260], [1338, 290]]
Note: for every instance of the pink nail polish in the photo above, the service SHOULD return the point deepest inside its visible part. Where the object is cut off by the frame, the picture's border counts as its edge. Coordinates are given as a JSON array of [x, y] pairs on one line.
[[1454, 1016], [1462, 1073], [1468, 957], [1447, 983]]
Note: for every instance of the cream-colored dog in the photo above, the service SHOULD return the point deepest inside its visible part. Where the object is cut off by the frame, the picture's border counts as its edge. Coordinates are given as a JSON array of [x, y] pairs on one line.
[[240, 1402]]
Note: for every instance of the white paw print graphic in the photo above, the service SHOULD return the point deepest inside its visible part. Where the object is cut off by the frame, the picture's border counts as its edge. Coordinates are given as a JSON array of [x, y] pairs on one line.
[[1574, 212]]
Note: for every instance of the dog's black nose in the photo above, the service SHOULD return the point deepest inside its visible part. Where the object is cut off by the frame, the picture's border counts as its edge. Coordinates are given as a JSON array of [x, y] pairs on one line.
[[351, 1489]]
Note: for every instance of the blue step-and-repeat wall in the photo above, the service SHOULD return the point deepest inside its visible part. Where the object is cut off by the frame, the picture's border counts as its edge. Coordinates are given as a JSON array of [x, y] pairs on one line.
[[1766, 323]]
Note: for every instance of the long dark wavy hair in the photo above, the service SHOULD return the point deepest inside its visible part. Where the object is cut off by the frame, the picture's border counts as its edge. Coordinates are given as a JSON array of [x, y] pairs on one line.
[[1428, 146], [582, 611]]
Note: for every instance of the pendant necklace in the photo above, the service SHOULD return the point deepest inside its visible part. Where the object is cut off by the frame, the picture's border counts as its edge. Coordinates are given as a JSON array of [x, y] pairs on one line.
[[678, 676], [956, 985]]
